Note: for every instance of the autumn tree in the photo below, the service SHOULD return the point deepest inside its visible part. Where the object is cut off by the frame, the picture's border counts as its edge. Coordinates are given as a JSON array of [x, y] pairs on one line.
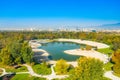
[[116, 60], [61, 67], [88, 69], [88, 47]]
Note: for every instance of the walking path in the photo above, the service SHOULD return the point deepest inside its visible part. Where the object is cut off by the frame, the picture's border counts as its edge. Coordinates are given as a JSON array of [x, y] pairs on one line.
[[49, 77], [53, 75], [110, 75], [4, 72]]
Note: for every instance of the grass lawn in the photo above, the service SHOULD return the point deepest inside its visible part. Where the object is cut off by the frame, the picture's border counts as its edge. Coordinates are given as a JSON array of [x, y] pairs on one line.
[[107, 51], [21, 69], [26, 77], [108, 66], [12, 69], [41, 69]]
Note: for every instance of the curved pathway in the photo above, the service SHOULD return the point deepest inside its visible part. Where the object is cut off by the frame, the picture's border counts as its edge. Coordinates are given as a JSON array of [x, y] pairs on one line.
[[49, 77], [110, 75], [4, 72]]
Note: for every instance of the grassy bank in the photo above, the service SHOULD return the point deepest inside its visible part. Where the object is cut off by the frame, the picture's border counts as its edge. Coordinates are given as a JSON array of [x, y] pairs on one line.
[[12, 69], [41, 69], [26, 77], [108, 66], [107, 51]]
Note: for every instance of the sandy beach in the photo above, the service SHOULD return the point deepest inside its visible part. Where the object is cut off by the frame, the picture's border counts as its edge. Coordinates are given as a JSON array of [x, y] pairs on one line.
[[43, 55], [90, 53], [73, 63], [34, 44], [91, 43]]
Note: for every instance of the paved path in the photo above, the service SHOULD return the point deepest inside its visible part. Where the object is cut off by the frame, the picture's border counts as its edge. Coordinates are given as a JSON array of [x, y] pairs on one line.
[[53, 74], [49, 77], [4, 72], [111, 76], [31, 72]]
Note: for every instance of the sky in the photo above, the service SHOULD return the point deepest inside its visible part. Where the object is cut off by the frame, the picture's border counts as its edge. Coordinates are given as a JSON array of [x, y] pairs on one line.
[[19, 13]]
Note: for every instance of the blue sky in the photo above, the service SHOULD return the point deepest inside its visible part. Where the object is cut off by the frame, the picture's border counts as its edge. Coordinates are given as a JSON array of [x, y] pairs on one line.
[[59, 12]]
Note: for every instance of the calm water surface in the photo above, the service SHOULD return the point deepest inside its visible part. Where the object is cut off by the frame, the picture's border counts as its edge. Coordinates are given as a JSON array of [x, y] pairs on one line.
[[56, 50]]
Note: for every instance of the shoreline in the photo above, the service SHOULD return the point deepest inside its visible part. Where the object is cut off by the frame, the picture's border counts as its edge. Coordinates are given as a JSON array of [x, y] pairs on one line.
[[34, 45], [86, 42], [79, 52], [43, 53], [89, 53]]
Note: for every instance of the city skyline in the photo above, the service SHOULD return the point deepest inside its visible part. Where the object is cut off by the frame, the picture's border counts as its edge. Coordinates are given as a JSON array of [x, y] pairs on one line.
[[29, 13]]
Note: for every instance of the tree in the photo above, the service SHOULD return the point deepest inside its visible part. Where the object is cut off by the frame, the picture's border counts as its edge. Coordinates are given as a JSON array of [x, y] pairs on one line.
[[116, 46], [116, 60], [26, 52], [6, 57], [15, 50], [88, 47], [61, 67], [88, 69]]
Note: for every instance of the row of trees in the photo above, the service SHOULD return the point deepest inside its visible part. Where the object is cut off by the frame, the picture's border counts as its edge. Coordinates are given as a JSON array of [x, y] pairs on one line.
[[109, 38], [14, 50], [16, 53]]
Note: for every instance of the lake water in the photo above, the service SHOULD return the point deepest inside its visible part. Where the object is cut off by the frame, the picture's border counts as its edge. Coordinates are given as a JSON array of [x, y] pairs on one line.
[[56, 50]]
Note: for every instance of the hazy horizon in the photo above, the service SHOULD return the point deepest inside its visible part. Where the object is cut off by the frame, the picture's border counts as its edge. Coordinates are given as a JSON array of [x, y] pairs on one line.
[[55, 14]]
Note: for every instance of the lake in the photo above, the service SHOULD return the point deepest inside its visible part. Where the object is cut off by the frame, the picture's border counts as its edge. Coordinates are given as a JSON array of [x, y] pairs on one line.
[[56, 50]]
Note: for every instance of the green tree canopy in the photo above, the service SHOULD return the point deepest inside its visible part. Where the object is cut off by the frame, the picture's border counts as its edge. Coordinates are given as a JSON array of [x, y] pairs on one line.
[[26, 53], [88, 69], [6, 57]]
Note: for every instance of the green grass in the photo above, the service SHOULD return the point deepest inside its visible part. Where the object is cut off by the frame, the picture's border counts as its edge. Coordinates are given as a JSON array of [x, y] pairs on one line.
[[12, 69], [108, 66], [105, 78], [41, 69], [21, 69], [26, 77], [107, 51]]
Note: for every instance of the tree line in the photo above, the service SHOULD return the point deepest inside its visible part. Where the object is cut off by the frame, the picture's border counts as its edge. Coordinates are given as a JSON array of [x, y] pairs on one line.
[[108, 38], [14, 49]]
